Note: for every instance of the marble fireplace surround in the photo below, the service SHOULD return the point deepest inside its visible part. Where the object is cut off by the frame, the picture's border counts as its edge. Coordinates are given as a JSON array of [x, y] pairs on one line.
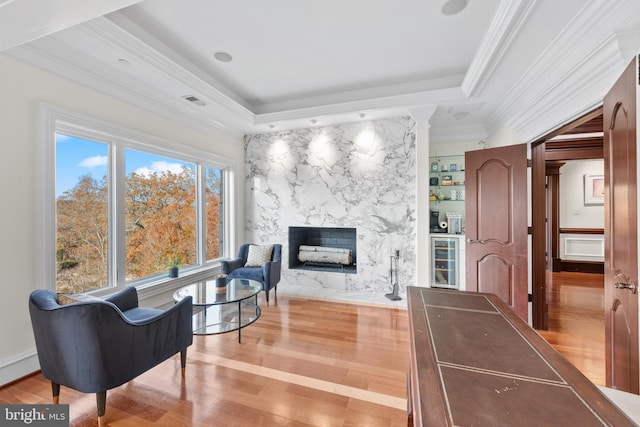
[[358, 175]]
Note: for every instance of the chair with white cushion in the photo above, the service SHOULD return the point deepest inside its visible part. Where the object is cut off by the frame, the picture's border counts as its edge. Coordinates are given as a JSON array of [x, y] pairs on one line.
[[256, 262]]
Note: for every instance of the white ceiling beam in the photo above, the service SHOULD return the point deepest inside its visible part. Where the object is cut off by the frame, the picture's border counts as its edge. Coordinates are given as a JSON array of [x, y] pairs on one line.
[[555, 85], [22, 21], [504, 28], [390, 102]]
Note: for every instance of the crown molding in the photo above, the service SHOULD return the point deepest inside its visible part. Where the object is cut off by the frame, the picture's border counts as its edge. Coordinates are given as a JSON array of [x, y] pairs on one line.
[[111, 33], [45, 20], [628, 41], [63, 54], [578, 59], [553, 88], [583, 88], [391, 103], [363, 93], [422, 115], [91, 74], [504, 27], [313, 121]]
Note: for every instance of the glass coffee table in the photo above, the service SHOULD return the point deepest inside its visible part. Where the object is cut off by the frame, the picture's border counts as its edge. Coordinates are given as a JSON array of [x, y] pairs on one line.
[[220, 310]]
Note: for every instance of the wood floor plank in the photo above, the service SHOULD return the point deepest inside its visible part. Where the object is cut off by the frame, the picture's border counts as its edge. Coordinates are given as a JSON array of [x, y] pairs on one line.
[[308, 362], [576, 321], [305, 362]]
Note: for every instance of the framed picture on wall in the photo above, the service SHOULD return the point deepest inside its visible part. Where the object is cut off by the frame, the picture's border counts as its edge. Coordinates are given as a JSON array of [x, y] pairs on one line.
[[593, 189]]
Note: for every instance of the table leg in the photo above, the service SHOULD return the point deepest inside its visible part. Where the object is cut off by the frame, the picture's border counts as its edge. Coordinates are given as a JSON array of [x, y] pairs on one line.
[[204, 318], [239, 321]]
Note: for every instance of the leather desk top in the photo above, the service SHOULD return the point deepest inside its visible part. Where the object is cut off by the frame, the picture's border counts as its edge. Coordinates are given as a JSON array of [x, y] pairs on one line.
[[476, 363]]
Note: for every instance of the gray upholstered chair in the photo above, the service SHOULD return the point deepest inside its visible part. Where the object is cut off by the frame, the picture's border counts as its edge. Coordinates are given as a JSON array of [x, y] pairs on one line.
[[267, 273], [93, 346]]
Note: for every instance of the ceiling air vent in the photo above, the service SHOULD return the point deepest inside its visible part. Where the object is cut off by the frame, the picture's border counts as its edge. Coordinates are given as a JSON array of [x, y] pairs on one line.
[[195, 100]]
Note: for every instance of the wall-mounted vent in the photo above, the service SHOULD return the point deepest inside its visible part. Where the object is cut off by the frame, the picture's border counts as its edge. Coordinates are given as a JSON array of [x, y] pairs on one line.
[[195, 100]]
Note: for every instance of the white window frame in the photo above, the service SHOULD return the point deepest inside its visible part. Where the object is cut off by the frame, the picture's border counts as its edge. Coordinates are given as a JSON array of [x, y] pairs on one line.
[[54, 119]]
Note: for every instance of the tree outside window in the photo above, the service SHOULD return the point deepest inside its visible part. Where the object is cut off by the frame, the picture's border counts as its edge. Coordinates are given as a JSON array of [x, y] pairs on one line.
[[160, 214], [81, 214], [160, 219]]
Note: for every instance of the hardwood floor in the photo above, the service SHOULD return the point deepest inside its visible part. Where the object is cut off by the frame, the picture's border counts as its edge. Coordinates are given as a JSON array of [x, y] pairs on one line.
[[305, 362], [309, 362], [576, 321]]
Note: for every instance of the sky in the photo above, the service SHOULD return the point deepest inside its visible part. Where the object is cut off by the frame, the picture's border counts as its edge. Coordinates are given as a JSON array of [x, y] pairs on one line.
[[76, 157]]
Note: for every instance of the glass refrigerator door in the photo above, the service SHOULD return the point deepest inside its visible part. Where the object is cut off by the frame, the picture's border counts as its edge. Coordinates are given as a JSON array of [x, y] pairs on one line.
[[444, 266]]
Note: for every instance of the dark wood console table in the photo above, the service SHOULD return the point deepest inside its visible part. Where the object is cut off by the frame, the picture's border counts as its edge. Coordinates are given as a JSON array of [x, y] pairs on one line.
[[474, 362]]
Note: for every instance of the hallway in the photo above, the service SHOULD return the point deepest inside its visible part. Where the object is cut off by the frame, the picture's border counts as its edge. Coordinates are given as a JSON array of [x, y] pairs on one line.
[[576, 321]]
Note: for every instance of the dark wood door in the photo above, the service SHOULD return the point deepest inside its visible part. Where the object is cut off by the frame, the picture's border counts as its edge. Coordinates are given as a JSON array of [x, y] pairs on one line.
[[621, 232], [496, 224]]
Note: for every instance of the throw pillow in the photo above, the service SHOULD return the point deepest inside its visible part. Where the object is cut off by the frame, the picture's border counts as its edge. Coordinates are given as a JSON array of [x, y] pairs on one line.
[[258, 255]]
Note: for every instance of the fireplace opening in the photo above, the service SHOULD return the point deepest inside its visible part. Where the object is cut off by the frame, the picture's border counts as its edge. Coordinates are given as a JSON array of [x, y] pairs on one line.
[[328, 249]]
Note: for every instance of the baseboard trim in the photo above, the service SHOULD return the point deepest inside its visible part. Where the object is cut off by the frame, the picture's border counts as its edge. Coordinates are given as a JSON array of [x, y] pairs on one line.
[[18, 366], [583, 266]]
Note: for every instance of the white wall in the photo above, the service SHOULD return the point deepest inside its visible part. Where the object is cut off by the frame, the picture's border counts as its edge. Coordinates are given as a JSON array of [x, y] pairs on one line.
[[452, 148], [22, 87], [573, 212], [504, 137]]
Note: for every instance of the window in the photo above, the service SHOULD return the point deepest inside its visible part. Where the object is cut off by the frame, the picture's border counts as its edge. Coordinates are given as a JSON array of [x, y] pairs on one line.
[[214, 213], [125, 205], [160, 213], [82, 246]]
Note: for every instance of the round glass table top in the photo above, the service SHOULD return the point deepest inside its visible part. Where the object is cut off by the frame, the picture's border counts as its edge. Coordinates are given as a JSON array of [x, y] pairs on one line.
[[206, 292]]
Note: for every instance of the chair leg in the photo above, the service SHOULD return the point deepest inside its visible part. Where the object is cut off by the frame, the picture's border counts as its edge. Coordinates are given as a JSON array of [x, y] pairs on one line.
[[267, 293], [55, 388], [101, 400], [183, 360]]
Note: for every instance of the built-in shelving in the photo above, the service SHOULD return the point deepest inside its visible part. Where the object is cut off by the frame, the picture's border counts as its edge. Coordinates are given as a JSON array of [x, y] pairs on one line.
[[446, 179], [446, 193]]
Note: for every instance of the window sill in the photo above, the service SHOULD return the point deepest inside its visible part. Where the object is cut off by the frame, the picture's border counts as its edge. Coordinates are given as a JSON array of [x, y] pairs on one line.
[[152, 290], [158, 292]]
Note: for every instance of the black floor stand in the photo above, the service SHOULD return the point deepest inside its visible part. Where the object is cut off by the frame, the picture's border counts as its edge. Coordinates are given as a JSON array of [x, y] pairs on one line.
[[393, 270]]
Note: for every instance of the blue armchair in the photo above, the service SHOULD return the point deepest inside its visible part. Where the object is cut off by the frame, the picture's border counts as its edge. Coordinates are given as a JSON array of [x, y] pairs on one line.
[[268, 274], [98, 344]]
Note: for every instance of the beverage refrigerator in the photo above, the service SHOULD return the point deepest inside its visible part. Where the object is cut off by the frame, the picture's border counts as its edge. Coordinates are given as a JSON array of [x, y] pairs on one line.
[[445, 262]]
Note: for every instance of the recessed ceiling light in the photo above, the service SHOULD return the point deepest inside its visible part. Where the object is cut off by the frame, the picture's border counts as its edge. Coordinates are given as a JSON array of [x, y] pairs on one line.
[[452, 7], [362, 115], [223, 57], [123, 61]]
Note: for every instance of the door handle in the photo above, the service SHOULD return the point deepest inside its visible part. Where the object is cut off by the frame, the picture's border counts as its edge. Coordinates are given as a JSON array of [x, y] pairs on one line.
[[472, 241], [631, 286], [623, 282]]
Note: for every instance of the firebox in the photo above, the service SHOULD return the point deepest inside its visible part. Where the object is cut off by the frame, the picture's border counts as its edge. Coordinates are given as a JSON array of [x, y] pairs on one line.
[[331, 249]]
